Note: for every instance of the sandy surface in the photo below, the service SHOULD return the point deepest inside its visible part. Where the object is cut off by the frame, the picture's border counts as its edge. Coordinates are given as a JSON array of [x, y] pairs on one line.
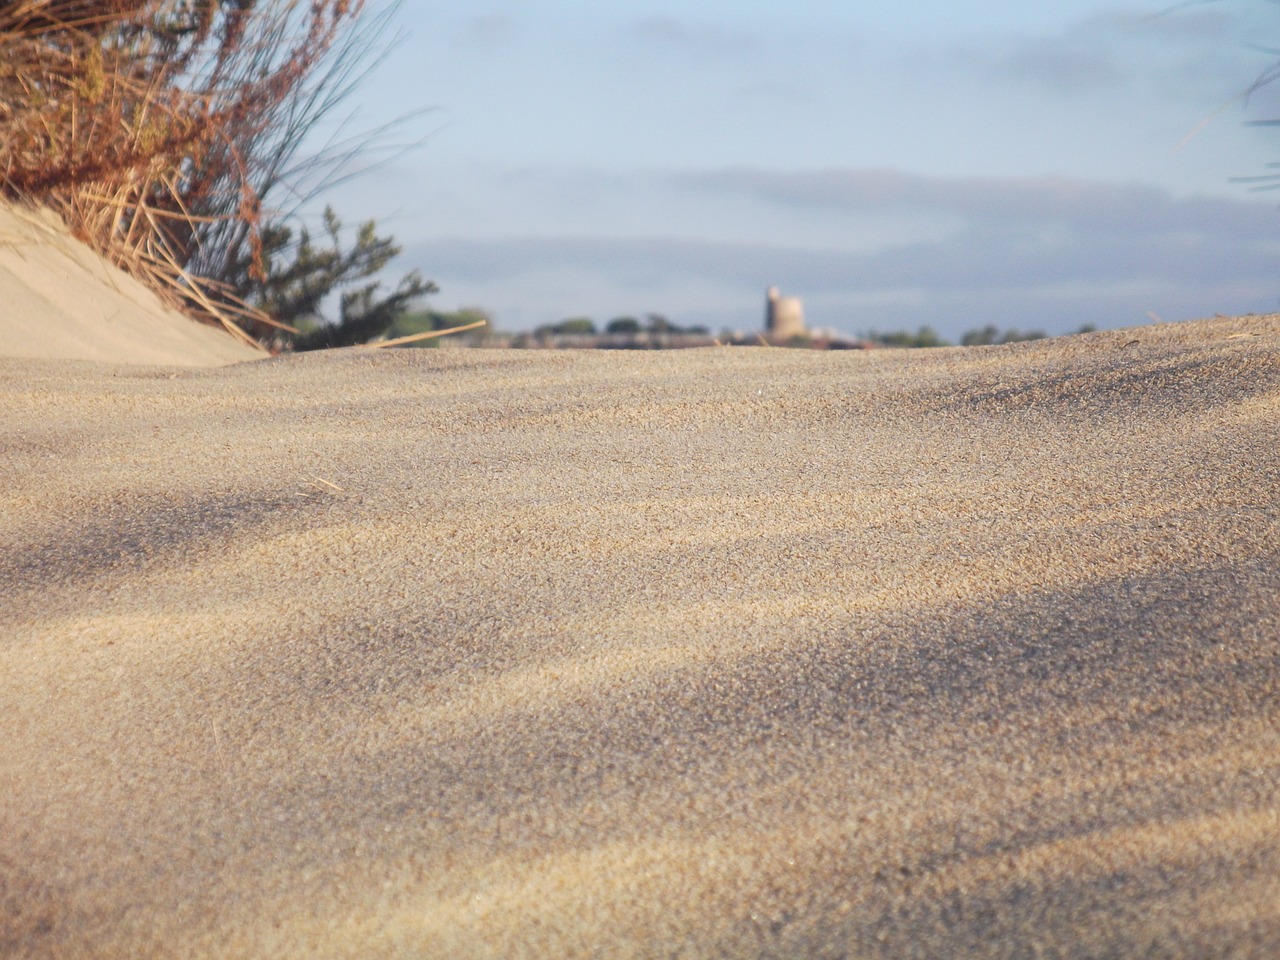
[[741, 652], [60, 301]]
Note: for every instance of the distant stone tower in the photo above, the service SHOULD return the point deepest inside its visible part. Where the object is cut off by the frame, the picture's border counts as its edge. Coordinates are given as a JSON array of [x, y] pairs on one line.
[[783, 316]]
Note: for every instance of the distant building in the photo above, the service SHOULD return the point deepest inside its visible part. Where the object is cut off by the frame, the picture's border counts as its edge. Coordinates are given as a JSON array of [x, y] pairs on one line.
[[783, 316]]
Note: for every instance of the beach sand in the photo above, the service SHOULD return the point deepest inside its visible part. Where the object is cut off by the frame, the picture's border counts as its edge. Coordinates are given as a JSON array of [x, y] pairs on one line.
[[735, 652], [61, 301]]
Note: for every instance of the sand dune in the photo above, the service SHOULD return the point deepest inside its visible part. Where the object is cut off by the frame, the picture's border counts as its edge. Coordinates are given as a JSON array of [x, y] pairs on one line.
[[717, 653], [738, 652], [60, 301]]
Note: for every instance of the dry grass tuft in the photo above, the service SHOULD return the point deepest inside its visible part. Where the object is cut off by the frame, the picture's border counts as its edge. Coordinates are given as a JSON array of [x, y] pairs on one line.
[[153, 127]]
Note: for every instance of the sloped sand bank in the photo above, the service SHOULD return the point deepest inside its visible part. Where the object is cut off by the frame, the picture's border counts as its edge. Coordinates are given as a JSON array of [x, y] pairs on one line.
[[61, 301], [734, 652]]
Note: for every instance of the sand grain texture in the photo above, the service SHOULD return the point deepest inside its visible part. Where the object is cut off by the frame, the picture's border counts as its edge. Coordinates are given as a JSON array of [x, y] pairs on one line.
[[738, 652]]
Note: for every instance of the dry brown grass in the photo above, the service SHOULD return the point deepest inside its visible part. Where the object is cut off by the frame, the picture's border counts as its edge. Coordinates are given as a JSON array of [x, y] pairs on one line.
[[153, 127]]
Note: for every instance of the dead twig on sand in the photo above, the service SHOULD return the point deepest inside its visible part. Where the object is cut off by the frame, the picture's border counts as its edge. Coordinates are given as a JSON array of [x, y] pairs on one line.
[[414, 338], [320, 483]]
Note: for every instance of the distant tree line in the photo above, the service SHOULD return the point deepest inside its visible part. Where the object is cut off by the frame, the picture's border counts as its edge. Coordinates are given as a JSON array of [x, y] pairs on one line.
[[980, 337], [654, 323], [413, 322]]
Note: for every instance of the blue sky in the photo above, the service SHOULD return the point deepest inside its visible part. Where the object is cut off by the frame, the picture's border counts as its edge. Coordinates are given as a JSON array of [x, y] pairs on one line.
[[895, 165]]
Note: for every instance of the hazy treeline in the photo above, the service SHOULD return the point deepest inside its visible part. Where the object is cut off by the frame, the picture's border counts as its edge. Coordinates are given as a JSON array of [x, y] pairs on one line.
[[980, 337]]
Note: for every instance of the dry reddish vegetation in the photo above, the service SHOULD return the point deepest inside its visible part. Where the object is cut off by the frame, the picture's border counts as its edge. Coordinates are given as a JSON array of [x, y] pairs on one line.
[[155, 127]]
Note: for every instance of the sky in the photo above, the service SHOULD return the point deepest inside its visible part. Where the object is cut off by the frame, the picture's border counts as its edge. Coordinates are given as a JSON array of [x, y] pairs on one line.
[[925, 162]]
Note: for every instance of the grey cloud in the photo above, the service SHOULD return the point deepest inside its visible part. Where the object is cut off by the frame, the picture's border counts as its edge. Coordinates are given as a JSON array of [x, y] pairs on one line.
[[769, 95], [1058, 67], [1022, 252], [1126, 209], [692, 36], [1080, 59], [1178, 51], [511, 258], [1185, 21], [490, 29], [1006, 269]]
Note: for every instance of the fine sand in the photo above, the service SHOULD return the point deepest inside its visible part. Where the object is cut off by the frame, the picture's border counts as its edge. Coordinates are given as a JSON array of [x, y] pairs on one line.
[[60, 301], [733, 652]]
